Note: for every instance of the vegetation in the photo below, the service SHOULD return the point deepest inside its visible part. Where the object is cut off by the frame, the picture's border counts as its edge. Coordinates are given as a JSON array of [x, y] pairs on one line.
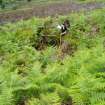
[[49, 75], [87, 1], [24, 4], [17, 4]]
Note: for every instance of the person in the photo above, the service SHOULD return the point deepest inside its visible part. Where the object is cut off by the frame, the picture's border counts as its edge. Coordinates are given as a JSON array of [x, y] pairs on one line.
[[64, 27]]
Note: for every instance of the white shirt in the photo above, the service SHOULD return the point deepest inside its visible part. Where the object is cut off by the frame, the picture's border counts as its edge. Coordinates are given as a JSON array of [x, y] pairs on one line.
[[59, 27]]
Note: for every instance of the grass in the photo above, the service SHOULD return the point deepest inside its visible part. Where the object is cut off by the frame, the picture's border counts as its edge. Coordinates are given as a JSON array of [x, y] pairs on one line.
[[24, 4]]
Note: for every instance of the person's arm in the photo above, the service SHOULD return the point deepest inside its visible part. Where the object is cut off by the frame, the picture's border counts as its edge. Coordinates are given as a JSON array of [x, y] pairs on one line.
[[63, 33]]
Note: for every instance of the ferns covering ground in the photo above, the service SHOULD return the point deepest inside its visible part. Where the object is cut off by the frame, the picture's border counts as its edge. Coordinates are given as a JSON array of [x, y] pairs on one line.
[[29, 76]]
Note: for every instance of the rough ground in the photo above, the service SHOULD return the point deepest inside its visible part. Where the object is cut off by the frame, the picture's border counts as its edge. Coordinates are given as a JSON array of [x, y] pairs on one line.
[[48, 10]]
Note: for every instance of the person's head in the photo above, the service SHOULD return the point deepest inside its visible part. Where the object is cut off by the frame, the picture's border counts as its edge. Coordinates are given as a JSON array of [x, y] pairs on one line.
[[67, 23]]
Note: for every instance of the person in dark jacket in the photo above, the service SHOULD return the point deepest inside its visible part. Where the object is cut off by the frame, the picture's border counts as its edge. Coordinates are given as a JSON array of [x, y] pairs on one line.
[[64, 27]]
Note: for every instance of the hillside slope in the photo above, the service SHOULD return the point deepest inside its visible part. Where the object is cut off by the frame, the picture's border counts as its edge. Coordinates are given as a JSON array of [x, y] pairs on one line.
[[48, 10]]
